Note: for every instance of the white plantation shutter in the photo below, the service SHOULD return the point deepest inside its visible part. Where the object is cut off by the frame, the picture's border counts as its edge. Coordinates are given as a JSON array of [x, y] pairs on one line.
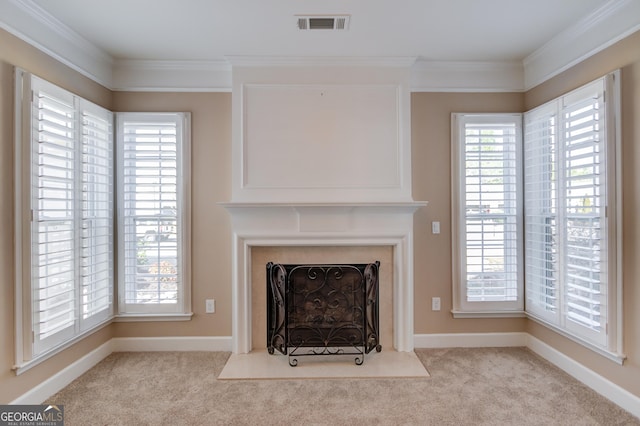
[[54, 215], [71, 226], [541, 212], [97, 226], [567, 177], [585, 198], [489, 209], [151, 212]]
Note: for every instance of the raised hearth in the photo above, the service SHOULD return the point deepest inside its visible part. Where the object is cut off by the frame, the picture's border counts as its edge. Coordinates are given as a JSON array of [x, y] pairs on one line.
[[260, 365]]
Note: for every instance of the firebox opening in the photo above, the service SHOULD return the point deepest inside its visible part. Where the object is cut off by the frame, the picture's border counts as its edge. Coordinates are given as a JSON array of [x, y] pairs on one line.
[[323, 309], [261, 255]]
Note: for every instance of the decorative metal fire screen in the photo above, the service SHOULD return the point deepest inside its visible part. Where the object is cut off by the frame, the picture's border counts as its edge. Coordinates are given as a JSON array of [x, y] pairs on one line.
[[322, 310]]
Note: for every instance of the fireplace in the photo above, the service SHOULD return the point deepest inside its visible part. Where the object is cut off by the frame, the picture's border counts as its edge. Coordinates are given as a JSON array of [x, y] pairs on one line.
[[321, 158], [323, 309], [313, 232]]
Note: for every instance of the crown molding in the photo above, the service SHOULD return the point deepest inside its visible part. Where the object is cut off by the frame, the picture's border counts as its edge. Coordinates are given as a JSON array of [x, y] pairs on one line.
[[32, 24], [614, 21], [319, 61], [431, 76], [172, 76], [609, 24]]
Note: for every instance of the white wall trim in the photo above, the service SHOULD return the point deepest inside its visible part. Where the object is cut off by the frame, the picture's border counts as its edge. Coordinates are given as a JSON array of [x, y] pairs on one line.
[[32, 24], [173, 343], [172, 76], [321, 61], [603, 386], [614, 21], [55, 383], [470, 340], [76, 369], [609, 24], [432, 76]]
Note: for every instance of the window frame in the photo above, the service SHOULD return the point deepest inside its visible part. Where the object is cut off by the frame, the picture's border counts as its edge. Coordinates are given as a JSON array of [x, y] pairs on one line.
[[611, 347], [158, 312], [609, 344], [28, 350], [463, 308], [26, 355]]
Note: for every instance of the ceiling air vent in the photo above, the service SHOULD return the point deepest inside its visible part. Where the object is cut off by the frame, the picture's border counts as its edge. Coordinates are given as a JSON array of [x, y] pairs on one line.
[[324, 22]]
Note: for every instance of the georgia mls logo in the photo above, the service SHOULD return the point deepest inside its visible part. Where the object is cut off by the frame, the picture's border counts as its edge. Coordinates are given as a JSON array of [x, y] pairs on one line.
[[31, 415], [53, 407]]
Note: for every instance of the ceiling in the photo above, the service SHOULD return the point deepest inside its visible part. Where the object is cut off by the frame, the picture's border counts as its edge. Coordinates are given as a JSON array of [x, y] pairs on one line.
[[434, 30], [193, 45]]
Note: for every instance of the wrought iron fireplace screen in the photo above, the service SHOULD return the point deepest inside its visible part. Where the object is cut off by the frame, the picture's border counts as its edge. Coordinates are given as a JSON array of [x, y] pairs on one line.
[[322, 310]]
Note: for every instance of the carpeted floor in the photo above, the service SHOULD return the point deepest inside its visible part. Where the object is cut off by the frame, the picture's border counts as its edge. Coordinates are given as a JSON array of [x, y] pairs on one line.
[[487, 386]]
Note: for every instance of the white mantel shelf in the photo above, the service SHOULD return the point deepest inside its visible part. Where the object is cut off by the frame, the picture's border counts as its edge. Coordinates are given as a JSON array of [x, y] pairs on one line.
[[408, 205], [327, 217]]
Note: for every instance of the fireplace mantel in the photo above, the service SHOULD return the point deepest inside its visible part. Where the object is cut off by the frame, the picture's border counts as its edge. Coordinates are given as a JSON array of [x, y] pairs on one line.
[[323, 224], [409, 206], [319, 217]]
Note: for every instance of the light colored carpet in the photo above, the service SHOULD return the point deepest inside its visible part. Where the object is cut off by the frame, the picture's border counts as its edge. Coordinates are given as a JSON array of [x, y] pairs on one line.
[[487, 386]]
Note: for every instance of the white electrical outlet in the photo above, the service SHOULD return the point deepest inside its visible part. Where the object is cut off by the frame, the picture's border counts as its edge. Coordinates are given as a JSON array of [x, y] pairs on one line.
[[435, 303], [435, 227], [210, 306]]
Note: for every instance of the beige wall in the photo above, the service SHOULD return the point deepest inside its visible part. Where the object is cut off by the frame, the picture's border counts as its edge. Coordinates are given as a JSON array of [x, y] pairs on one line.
[[431, 169], [211, 224], [624, 55], [14, 52]]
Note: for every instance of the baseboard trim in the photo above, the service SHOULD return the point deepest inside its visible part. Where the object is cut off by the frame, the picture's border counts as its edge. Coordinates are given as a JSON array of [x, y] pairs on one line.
[[470, 340], [603, 386], [165, 344], [58, 381]]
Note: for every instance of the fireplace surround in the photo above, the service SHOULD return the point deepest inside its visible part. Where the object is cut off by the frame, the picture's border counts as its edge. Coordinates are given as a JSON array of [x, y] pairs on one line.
[[323, 225]]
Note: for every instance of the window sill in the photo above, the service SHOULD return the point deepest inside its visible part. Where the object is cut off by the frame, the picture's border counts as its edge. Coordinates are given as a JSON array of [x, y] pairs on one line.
[[28, 365], [488, 314], [152, 317], [616, 357]]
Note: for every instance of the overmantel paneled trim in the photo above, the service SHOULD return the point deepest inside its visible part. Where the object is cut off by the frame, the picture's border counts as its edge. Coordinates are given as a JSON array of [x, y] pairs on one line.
[[320, 133]]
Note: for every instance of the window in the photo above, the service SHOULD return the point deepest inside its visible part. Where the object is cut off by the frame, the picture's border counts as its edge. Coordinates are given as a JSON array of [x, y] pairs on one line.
[[152, 228], [570, 212], [488, 204], [67, 278], [65, 213], [570, 191]]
